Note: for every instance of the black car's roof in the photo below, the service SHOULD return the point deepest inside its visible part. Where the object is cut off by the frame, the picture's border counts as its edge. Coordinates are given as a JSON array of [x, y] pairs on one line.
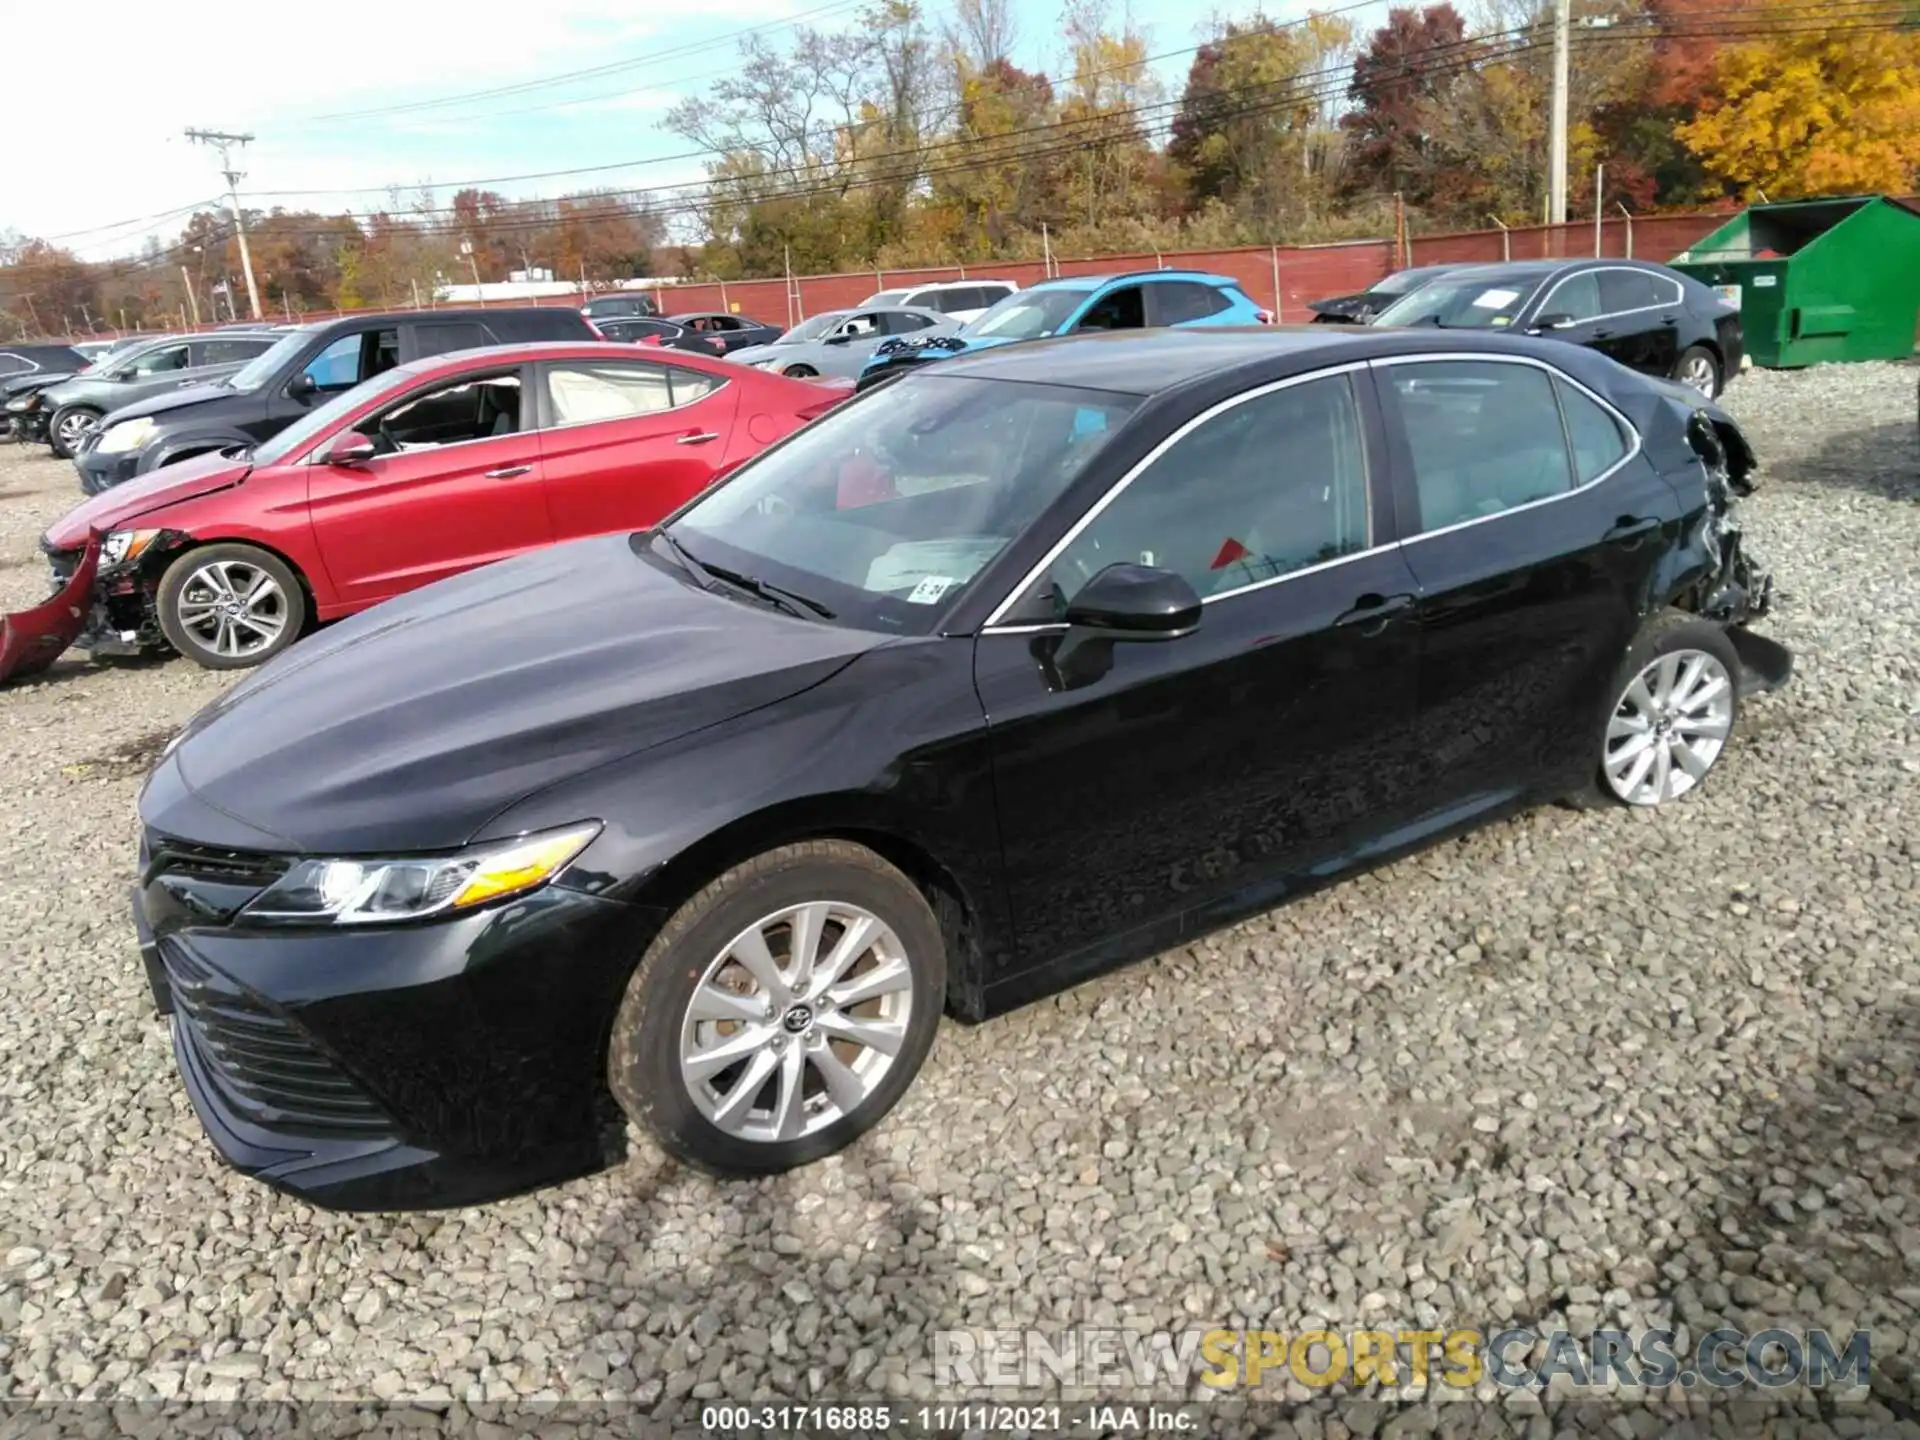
[[1147, 362]]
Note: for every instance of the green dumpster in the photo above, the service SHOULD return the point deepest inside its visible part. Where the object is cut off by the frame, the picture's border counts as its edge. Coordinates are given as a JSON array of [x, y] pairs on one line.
[[1818, 280]]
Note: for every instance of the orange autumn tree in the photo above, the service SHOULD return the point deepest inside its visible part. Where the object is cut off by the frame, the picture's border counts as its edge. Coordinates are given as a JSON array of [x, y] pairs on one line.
[[1803, 109]]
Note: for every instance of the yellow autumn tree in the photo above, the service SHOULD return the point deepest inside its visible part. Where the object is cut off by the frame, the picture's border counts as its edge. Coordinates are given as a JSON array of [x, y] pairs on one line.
[[1805, 110]]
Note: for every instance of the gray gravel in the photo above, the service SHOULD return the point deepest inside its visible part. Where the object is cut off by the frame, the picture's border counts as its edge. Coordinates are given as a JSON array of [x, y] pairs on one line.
[[1580, 1068]]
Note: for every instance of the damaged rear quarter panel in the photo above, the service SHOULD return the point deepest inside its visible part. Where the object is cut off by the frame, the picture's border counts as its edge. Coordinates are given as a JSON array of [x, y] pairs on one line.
[[1703, 454]]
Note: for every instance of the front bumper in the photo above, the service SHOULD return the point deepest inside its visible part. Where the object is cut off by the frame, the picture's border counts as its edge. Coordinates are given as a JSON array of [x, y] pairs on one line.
[[386, 1068], [102, 472]]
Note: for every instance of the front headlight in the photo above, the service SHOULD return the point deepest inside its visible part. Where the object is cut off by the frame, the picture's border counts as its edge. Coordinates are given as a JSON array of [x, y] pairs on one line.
[[20, 403], [127, 435], [362, 892], [124, 545]]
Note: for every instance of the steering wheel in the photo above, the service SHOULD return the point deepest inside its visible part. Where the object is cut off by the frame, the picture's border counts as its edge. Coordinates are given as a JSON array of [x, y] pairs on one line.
[[775, 506]]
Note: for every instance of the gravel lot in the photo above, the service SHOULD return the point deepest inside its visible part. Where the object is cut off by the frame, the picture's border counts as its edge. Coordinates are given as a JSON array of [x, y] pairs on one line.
[[1581, 1068]]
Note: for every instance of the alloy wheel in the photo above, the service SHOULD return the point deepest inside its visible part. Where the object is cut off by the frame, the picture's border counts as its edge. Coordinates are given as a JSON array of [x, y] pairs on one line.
[[74, 429], [795, 1024], [1668, 727], [1696, 373], [233, 608]]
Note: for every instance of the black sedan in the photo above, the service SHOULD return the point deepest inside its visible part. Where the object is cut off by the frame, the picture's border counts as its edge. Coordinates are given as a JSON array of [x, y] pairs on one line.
[[1034, 662], [668, 333], [729, 332], [1362, 305], [1648, 317]]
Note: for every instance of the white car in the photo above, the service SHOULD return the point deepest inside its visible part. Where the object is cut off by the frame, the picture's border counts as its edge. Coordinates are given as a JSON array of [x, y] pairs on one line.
[[956, 299]]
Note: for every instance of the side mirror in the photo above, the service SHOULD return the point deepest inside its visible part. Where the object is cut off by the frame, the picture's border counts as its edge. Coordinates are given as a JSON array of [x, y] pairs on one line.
[[1555, 321], [302, 385], [349, 449], [840, 337], [118, 377], [1122, 602]]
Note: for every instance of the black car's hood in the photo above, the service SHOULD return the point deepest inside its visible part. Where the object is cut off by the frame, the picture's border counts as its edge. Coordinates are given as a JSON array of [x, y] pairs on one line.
[[162, 406], [1346, 307], [409, 726]]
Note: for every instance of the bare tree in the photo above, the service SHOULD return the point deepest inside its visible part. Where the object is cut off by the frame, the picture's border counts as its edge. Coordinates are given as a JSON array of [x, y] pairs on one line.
[[982, 32]]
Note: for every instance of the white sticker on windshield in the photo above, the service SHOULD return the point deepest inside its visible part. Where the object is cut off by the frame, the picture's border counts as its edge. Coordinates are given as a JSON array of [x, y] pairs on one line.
[[1495, 299], [931, 589]]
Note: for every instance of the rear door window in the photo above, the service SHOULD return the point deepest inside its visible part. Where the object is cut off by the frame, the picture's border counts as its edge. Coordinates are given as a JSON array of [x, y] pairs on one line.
[[902, 322], [439, 338], [14, 364], [1623, 290], [585, 392], [1597, 440], [1176, 302], [1484, 436]]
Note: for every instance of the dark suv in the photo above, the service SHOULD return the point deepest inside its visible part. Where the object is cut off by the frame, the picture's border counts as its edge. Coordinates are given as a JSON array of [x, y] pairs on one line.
[[307, 366]]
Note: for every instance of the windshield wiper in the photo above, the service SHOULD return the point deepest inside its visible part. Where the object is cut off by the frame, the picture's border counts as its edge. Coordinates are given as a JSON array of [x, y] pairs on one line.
[[791, 601], [788, 600]]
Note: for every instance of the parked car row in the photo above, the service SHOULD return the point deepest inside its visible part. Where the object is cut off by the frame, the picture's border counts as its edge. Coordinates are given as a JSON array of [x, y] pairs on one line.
[[928, 700]]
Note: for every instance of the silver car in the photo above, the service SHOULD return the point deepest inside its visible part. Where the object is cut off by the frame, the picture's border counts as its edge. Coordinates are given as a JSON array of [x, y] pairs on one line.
[[839, 342]]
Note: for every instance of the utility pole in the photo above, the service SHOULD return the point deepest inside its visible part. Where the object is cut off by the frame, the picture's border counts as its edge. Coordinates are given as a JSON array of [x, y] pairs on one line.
[[224, 143], [1557, 140], [186, 280]]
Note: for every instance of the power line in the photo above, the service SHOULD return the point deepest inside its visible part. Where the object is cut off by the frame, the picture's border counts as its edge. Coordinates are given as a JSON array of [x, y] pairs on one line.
[[591, 72]]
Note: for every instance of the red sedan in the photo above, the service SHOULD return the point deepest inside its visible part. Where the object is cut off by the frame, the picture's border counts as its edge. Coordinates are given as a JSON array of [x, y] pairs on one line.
[[427, 470]]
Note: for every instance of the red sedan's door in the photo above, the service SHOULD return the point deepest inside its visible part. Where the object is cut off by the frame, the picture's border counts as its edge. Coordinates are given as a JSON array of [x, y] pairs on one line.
[[623, 442], [455, 483]]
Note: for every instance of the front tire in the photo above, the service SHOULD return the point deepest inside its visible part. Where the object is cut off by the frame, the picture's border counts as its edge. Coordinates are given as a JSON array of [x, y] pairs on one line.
[[1675, 701], [800, 372], [1698, 370], [69, 427], [230, 607], [782, 1011]]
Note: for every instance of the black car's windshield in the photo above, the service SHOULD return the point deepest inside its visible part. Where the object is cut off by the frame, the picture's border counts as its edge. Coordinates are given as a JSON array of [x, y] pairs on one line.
[[1400, 283], [1027, 314], [812, 329], [262, 368], [884, 510], [1461, 304], [316, 422]]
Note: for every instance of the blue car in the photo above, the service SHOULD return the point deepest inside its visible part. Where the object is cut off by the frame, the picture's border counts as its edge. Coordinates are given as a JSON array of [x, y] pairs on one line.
[[1079, 303]]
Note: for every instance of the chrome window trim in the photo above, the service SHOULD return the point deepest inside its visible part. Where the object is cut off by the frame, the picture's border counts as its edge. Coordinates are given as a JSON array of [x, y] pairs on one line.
[[1094, 511], [1634, 446], [722, 383], [1680, 297]]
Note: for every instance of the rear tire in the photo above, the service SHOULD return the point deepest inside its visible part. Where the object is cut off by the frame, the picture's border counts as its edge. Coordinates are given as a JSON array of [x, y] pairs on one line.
[[800, 372], [230, 607], [1671, 712], [1698, 370], [757, 1065], [69, 427]]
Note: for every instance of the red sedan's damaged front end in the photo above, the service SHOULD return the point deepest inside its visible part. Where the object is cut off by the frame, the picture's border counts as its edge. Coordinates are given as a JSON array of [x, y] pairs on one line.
[[31, 640]]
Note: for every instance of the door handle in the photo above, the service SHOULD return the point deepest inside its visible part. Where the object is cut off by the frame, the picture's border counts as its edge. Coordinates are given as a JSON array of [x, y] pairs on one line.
[[507, 472], [1629, 530], [699, 439], [1669, 319], [1372, 613], [1603, 334]]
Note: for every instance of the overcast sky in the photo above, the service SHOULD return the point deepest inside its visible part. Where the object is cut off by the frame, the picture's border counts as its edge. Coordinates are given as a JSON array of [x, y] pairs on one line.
[[301, 79]]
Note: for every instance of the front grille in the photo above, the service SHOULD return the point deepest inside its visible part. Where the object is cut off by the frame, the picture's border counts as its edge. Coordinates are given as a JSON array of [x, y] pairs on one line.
[[264, 1065], [163, 855]]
